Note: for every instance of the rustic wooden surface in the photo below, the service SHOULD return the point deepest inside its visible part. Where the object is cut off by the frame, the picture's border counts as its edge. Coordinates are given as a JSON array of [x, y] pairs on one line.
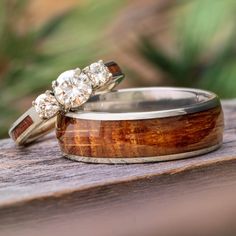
[[42, 193]]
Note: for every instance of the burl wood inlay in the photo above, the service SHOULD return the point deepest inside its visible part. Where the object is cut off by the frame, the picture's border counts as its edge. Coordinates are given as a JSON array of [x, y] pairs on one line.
[[21, 127], [140, 138], [114, 68]]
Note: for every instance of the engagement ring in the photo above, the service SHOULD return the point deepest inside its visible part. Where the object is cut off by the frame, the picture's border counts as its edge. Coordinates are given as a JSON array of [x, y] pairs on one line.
[[69, 91]]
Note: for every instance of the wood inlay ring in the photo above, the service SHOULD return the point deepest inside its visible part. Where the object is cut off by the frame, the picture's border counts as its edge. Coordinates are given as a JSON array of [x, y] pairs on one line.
[[85, 136], [29, 127]]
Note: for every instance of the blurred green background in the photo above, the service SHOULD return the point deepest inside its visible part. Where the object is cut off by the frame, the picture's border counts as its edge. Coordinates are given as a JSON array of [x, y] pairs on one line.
[[157, 42]]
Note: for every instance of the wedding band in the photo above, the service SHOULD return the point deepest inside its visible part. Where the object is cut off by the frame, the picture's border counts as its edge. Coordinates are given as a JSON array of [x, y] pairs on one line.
[[142, 125], [71, 89]]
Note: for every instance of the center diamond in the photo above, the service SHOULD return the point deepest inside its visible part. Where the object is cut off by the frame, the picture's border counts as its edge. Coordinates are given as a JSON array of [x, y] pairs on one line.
[[72, 88]]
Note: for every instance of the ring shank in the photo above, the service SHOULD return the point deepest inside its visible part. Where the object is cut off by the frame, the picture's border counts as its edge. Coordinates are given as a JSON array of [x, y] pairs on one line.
[[30, 127]]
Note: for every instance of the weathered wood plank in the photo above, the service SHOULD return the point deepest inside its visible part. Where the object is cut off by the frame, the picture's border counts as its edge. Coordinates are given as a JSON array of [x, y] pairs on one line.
[[37, 184]]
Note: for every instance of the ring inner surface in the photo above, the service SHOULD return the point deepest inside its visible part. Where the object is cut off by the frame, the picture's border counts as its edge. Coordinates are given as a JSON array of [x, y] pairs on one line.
[[146, 100], [146, 103]]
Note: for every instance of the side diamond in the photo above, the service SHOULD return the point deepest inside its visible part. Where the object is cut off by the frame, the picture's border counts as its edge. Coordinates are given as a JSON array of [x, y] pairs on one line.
[[46, 105], [98, 73]]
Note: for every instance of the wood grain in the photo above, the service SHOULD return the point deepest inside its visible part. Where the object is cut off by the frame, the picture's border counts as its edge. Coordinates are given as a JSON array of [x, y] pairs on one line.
[[140, 138], [41, 193], [21, 127], [114, 68]]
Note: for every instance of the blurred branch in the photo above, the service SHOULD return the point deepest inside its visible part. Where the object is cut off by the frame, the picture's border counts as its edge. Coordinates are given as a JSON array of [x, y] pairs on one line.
[[52, 26], [160, 59], [204, 31]]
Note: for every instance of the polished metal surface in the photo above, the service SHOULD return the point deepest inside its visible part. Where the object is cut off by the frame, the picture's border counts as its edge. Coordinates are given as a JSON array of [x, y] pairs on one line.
[[146, 103]]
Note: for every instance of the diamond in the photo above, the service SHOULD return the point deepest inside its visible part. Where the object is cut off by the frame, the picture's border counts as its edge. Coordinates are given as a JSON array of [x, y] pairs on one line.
[[46, 105], [98, 73], [72, 88]]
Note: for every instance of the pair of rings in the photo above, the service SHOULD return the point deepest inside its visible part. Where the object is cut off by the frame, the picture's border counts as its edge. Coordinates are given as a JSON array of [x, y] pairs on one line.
[[124, 126]]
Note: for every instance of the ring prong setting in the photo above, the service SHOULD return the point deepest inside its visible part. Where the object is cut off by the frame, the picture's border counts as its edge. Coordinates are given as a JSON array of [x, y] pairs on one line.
[[86, 70], [54, 84], [77, 71], [48, 92]]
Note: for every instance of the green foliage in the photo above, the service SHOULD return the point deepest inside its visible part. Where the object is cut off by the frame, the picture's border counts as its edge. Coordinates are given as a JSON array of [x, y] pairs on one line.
[[205, 40], [29, 61]]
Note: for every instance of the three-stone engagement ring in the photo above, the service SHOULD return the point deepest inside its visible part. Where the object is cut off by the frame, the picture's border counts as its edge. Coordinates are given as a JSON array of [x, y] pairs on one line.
[[73, 88], [69, 91]]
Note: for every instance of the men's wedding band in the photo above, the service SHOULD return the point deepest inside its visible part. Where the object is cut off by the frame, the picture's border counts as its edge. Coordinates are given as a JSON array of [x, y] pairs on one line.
[[142, 125]]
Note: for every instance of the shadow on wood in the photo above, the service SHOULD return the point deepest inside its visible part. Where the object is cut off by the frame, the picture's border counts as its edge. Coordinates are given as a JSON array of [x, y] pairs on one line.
[[42, 193]]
